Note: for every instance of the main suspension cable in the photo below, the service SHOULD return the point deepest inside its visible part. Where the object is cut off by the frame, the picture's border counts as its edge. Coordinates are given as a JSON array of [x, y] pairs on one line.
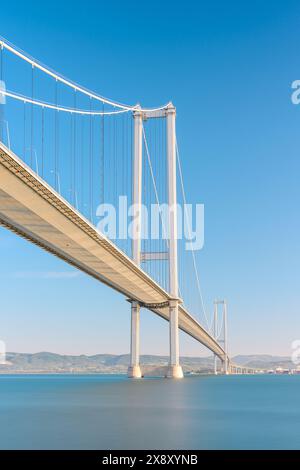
[[35, 63], [44, 104]]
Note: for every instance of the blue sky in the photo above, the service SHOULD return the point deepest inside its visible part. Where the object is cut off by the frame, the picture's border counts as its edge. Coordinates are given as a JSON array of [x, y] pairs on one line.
[[228, 67]]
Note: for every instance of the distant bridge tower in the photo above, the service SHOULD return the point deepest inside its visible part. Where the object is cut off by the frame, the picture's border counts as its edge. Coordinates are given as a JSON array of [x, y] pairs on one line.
[[169, 113], [223, 328]]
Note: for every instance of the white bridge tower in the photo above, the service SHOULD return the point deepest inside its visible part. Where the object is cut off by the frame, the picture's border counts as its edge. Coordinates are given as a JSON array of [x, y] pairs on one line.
[[169, 113]]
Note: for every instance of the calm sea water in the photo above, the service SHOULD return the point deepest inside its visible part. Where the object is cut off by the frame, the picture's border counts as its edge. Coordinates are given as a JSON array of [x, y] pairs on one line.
[[111, 412]]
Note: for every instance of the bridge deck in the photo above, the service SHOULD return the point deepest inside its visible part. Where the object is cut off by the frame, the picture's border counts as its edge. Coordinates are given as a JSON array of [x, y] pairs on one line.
[[32, 209]]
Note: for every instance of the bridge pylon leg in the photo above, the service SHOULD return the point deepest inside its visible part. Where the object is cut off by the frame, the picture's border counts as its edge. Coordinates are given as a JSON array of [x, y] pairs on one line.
[[215, 335], [175, 370], [134, 370], [226, 366], [226, 362]]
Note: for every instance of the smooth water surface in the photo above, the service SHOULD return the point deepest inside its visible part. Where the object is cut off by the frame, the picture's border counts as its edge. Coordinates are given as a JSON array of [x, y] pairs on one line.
[[113, 412]]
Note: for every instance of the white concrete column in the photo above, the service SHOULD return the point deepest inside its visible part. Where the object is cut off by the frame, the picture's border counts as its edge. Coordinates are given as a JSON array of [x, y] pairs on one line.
[[137, 185], [216, 365], [215, 334], [134, 370], [175, 370], [225, 337]]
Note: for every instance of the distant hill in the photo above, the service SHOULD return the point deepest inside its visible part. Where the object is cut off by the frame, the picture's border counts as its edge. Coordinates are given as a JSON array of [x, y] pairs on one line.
[[47, 362], [264, 361]]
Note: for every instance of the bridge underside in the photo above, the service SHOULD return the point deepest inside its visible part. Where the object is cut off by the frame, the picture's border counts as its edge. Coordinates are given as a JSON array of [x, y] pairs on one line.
[[32, 209]]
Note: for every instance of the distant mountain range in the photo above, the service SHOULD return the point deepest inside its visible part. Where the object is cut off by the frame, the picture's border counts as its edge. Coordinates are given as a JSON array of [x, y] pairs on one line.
[[265, 361], [46, 362]]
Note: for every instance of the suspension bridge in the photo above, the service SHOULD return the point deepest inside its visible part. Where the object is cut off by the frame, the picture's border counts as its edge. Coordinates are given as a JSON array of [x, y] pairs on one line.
[[69, 157]]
